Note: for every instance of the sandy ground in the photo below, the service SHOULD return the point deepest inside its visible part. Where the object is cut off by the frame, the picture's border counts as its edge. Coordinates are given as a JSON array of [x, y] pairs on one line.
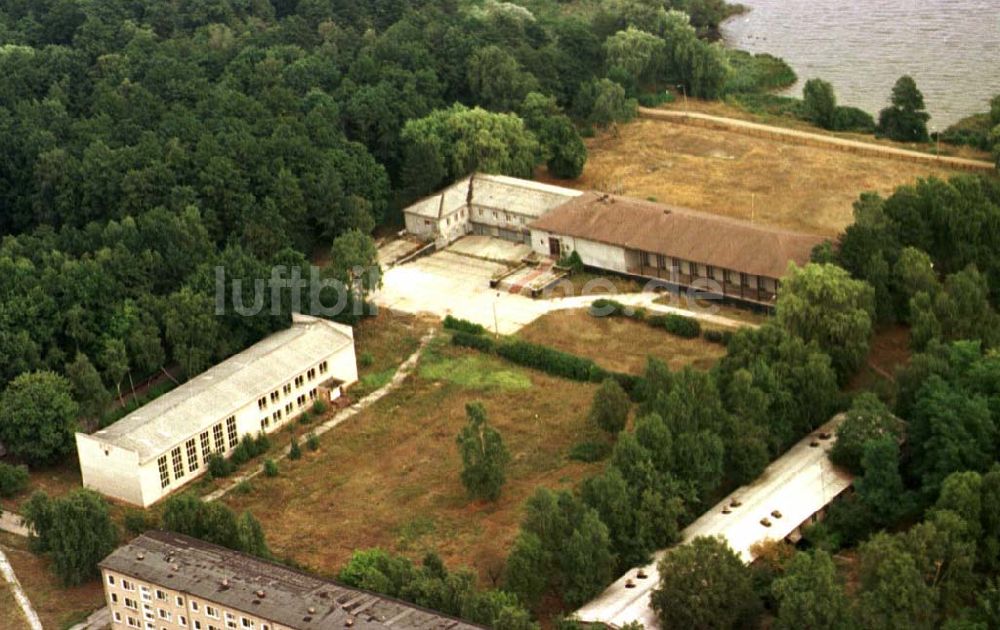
[[803, 188]]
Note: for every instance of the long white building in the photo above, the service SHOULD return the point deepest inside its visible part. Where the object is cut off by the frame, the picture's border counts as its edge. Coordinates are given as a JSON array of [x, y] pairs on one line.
[[165, 444]]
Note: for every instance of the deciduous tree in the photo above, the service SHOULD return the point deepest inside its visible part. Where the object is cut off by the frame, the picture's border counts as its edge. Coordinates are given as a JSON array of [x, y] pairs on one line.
[[38, 417], [484, 456]]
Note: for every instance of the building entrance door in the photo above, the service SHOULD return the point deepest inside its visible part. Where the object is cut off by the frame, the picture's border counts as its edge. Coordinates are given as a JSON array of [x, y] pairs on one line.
[[554, 248]]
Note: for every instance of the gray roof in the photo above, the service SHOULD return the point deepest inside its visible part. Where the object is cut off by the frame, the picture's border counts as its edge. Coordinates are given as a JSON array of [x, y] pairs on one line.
[[495, 192], [290, 597], [797, 485], [226, 387]]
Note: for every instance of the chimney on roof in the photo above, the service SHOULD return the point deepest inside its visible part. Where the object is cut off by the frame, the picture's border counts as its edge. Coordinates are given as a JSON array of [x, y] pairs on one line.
[[225, 583], [140, 556], [260, 593]]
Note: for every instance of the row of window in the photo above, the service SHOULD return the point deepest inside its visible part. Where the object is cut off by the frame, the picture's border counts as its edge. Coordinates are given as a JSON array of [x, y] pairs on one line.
[[231, 620], [299, 381], [507, 216], [277, 416], [213, 440], [731, 276]]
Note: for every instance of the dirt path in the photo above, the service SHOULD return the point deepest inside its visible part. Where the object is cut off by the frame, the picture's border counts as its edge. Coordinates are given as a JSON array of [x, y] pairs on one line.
[[813, 139], [7, 571], [402, 372]]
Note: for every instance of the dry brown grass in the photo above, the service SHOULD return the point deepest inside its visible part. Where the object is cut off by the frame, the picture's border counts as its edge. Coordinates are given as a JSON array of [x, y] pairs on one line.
[[57, 606], [618, 344], [54, 480], [797, 187], [11, 617], [382, 343], [389, 477], [721, 108]]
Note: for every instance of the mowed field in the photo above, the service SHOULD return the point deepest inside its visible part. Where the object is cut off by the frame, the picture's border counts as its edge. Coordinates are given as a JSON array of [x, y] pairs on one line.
[[389, 477], [619, 344], [791, 186]]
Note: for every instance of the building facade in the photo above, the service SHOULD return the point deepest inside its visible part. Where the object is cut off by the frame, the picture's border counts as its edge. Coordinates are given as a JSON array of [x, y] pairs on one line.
[[486, 205], [166, 444], [166, 581]]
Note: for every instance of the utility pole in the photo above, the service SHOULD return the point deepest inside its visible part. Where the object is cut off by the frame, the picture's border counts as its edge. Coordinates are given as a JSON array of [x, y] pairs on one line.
[[753, 197]]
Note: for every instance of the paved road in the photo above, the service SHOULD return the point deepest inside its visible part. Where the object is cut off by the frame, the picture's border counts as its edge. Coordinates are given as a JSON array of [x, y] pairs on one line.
[[813, 139]]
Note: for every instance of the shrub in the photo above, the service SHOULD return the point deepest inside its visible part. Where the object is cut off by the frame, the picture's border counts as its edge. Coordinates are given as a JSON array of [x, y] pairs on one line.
[[853, 119], [604, 307], [477, 342], [13, 479], [610, 407], [261, 444], [243, 487], [312, 441], [573, 262], [294, 452], [720, 337], [366, 359], [218, 466], [547, 359], [463, 325], [305, 418], [319, 407], [138, 521], [682, 326], [270, 468], [590, 451]]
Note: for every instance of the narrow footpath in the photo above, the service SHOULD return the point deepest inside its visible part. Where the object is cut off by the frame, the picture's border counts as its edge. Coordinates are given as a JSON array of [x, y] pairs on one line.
[[7, 571]]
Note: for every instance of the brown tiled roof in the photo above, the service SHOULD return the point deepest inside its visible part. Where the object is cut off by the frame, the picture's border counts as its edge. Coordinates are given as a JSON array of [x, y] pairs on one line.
[[679, 233]]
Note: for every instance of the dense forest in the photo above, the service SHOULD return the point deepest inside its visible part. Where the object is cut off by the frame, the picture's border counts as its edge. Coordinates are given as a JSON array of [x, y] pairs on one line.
[[144, 143]]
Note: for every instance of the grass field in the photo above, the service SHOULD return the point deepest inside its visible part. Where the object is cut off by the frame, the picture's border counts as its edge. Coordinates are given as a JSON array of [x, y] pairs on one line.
[[381, 344], [618, 344], [791, 186], [389, 477], [57, 606]]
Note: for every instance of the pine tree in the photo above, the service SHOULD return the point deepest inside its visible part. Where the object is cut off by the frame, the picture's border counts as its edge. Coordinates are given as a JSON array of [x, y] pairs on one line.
[[484, 456]]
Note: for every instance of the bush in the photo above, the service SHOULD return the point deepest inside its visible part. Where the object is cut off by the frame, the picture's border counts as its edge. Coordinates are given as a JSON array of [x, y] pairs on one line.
[[319, 407], [720, 337], [604, 307], [590, 451], [573, 262], [654, 99], [366, 359], [13, 479], [294, 452], [548, 360], [305, 418], [610, 407], [682, 326], [138, 521], [312, 441], [853, 119], [219, 466], [270, 468], [463, 325], [243, 487], [478, 342]]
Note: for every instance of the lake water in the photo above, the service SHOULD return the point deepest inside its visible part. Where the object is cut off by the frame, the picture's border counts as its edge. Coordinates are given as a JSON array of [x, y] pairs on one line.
[[950, 47]]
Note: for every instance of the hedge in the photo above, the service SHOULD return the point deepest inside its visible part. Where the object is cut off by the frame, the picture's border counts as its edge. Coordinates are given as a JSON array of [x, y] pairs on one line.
[[680, 325], [463, 325], [549, 360], [469, 340]]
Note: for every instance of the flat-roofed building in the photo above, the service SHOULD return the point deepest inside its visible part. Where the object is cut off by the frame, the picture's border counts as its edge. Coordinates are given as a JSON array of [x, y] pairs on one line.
[[165, 444], [487, 205], [793, 491], [166, 580]]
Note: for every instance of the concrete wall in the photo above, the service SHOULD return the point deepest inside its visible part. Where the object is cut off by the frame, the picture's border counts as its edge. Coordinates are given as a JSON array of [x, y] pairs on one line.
[[110, 470], [420, 226], [592, 253]]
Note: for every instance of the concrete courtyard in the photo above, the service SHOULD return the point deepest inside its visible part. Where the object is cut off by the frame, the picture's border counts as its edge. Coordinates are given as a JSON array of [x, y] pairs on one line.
[[456, 281]]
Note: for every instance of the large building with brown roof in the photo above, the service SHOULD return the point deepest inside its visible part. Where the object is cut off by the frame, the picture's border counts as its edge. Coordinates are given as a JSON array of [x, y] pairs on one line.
[[681, 247], [163, 581]]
